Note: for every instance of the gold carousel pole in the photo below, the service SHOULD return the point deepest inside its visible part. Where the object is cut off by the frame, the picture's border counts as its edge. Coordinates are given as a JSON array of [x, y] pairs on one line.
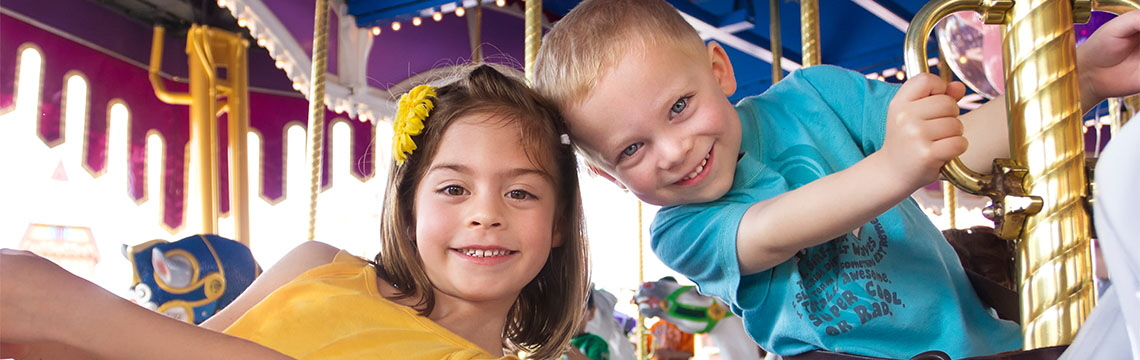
[[809, 33], [1117, 113], [949, 192], [203, 127], [475, 31], [641, 346], [238, 104], [532, 37], [317, 107], [776, 43], [209, 49], [1133, 104], [1053, 261]]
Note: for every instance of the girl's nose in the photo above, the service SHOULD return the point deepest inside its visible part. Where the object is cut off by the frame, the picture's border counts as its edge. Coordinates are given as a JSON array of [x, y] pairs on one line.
[[486, 212], [490, 224]]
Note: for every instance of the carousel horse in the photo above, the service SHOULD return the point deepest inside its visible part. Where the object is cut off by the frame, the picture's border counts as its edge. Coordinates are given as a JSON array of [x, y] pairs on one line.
[[606, 325], [192, 278], [698, 314]]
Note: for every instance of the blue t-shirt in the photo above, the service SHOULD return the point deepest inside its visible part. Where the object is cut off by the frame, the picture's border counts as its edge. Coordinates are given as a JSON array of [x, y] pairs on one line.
[[894, 290]]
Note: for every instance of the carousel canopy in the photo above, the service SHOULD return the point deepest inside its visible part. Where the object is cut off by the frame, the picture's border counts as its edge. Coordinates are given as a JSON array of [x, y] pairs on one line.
[[370, 56]]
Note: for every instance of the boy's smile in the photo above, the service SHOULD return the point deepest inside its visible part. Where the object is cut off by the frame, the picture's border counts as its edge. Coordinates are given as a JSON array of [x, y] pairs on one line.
[[659, 123]]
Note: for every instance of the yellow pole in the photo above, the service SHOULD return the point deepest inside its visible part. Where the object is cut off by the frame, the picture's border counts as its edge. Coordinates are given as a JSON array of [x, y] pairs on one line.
[[317, 107], [156, 65], [238, 105], [532, 37], [1133, 104], [203, 128], [641, 348], [809, 33], [477, 35], [776, 41], [1117, 112], [949, 192], [1054, 261]]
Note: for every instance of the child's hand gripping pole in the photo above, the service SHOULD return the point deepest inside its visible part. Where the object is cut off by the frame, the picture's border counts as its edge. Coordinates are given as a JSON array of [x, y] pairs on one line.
[[1045, 134]]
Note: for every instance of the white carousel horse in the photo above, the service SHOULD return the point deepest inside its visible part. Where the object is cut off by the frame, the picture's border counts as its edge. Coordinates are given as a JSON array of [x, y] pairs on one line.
[[604, 325], [695, 313]]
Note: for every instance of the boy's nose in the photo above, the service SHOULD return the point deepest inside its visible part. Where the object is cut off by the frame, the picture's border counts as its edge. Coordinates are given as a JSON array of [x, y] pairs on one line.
[[674, 151]]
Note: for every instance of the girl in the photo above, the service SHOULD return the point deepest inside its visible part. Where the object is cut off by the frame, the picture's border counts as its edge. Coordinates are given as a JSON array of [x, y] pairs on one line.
[[483, 256]]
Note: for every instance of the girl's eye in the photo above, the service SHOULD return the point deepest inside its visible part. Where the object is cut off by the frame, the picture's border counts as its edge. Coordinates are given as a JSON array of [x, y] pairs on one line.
[[630, 150], [679, 106], [520, 195], [454, 190]]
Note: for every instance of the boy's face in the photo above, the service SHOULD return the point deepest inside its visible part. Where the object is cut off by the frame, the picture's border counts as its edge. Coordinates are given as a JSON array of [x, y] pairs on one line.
[[659, 123]]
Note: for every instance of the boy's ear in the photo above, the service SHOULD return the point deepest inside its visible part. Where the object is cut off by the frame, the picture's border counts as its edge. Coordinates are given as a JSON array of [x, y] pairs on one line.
[[721, 68], [598, 171]]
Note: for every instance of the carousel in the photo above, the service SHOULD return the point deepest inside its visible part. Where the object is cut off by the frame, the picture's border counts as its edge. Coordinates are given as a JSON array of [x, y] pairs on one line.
[[265, 123]]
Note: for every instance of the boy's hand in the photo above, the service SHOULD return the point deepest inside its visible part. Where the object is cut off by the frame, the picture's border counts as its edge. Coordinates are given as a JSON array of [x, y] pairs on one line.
[[923, 131], [1108, 63]]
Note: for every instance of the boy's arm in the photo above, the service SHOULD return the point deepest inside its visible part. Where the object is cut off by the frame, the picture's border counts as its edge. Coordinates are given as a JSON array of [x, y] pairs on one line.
[[308, 255], [44, 304], [922, 133], [1108, 65]]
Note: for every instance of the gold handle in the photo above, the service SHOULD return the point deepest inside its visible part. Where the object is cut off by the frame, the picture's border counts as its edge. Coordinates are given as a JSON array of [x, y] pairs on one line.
[[914, 54]]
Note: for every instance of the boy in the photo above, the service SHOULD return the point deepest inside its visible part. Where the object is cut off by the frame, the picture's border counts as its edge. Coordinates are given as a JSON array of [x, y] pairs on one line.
[[760, 201]]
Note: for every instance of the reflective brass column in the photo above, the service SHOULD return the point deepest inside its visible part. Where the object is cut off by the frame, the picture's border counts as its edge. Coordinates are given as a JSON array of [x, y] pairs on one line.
[[809, 32], [776, 42], [203, 127], [316, 123], [1053, 257], [533, 36], [237, 103]]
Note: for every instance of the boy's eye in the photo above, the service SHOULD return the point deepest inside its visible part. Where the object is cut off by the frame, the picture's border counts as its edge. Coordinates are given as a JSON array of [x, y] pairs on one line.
[[630, 150], [454, 190], [520, 195], [679, 106]]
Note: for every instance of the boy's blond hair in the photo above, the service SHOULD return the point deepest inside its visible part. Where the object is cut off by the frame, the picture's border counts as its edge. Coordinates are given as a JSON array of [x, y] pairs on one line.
[[593, 37]]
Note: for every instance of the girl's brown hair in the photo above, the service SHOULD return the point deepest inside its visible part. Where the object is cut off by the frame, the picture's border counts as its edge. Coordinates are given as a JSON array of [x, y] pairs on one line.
[[543, 318]]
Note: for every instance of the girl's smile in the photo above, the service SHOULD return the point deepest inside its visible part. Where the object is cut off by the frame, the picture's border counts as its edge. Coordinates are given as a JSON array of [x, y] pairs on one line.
[[484, 213]]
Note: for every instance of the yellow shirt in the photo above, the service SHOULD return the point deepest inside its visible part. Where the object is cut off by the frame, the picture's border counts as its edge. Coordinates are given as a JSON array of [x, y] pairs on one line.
[[335, 311]]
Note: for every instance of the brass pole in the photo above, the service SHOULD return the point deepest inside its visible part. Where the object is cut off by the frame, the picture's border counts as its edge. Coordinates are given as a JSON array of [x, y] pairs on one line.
[[317, 107], [1115, 115], [809, 33], [949, 192], [156, 65], [776, 42], [1053, 261], [1123, 110], [533, 36], [641, 346], [238, 105], [477, 33], [203, 128]]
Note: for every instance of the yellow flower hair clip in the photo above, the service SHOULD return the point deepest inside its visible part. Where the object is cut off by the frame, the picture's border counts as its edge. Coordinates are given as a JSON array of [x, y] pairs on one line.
[[411, 111]]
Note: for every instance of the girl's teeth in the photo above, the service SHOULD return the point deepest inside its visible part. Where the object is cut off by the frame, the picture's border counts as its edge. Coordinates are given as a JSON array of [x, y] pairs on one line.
[[485, 253]]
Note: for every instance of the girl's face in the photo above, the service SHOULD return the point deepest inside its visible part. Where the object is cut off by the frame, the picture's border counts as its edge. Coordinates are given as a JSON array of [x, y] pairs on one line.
[[484, 213]]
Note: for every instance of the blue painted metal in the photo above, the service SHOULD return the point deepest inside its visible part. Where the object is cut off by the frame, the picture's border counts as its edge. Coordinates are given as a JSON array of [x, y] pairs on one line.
[[368, 12], [850, 36]]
